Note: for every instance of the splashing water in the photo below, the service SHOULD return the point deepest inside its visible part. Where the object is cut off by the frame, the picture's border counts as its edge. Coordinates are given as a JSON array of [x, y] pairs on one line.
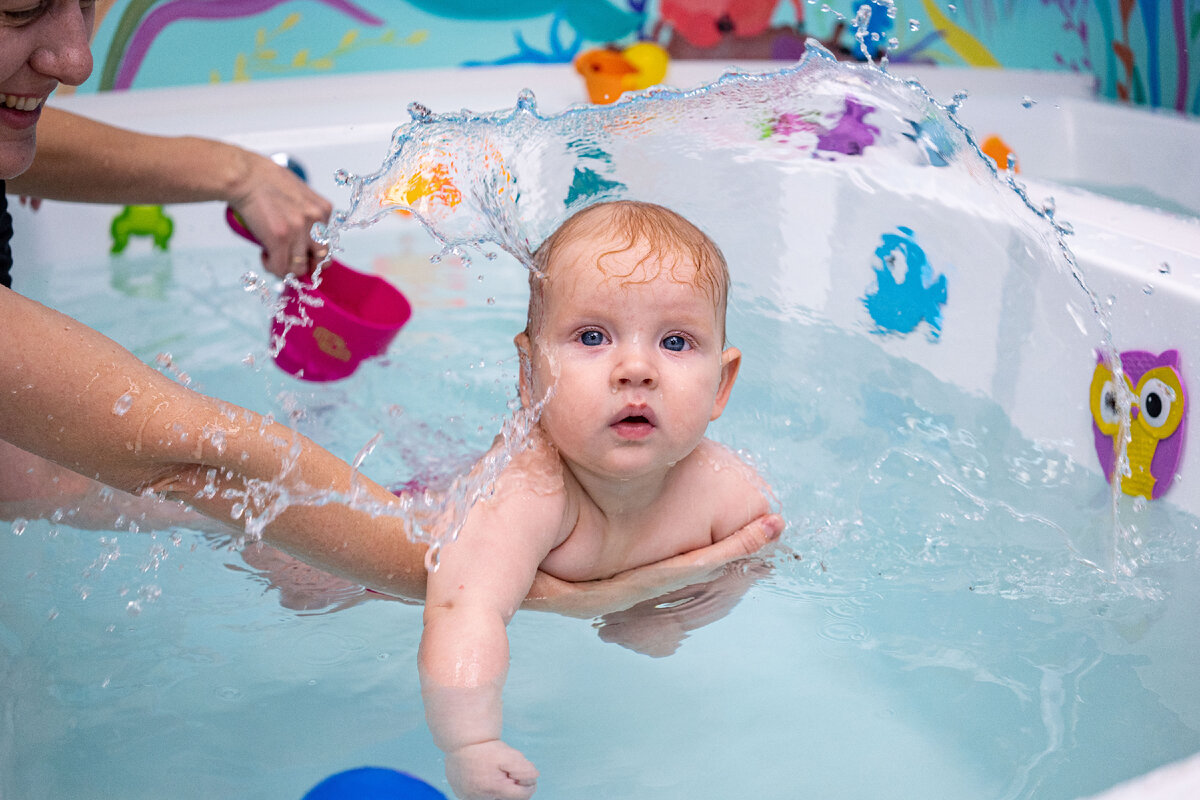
[[797, 174]]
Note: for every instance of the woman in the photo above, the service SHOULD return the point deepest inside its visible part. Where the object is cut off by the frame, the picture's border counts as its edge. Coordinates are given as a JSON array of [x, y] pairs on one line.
[[60, 380]]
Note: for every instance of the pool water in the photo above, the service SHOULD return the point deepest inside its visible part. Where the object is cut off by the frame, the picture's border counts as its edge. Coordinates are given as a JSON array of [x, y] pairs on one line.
[[939, 622], [953, 610]]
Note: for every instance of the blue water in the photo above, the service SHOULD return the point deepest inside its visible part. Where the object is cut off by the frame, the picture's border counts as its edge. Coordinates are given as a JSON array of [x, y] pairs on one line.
[[938, 623]]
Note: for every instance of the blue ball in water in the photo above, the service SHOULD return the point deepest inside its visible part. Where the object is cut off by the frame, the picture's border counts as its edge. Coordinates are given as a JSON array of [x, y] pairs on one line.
[[373, 783]]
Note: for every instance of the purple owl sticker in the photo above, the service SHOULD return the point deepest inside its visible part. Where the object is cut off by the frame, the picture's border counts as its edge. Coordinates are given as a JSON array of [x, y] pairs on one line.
[[1157, 420]]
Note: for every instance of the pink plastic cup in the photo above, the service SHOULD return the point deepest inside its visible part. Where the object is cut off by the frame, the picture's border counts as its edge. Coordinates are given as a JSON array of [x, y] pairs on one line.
[[357, 318]]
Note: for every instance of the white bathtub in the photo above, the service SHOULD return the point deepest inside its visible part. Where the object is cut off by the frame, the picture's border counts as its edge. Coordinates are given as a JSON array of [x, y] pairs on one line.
[[1065, 140]]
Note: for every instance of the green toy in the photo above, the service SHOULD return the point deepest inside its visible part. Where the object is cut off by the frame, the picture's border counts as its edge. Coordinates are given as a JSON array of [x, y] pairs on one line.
[[141, 221]]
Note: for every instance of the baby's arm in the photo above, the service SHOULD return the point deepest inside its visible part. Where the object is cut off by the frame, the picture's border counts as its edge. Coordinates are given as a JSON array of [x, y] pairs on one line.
[[479, 584]]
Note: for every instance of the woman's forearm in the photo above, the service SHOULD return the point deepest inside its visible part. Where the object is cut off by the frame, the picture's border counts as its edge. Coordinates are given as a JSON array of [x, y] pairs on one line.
[[83, 160], [75, 397]]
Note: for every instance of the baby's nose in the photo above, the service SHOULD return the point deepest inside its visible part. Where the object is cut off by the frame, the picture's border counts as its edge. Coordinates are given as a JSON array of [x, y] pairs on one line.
[[635, 369]]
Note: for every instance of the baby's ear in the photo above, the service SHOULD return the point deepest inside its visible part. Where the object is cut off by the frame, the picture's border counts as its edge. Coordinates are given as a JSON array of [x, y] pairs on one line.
[[731, 361], [525, 378]]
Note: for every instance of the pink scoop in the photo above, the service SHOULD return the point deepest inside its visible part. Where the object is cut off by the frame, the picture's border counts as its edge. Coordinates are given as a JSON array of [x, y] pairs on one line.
[[358, 318]]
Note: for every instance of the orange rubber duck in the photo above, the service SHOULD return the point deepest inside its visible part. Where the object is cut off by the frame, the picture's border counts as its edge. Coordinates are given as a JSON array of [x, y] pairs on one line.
[[609, 72]]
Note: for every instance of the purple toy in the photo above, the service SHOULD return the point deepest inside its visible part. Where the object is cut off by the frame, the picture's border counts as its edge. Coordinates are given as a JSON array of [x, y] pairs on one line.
[[1158, 420], [851, 135]]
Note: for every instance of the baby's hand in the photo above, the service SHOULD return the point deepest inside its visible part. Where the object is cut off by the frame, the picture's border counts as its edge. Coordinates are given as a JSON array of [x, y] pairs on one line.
[[489, 771]]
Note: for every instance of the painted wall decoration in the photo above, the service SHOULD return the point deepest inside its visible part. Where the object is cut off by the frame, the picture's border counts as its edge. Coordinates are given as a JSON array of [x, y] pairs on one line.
[[1141, 51]]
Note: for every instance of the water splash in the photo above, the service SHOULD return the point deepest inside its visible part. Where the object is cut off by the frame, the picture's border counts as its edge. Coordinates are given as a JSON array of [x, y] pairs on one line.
[[796, 173]]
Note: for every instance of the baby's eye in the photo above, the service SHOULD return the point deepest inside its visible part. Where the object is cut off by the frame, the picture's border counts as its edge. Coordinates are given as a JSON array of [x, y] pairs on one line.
[[591, 338], [676, 343]]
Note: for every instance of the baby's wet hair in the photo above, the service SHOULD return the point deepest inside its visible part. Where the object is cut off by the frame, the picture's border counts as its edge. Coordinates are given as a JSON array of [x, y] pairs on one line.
[[669, 238]]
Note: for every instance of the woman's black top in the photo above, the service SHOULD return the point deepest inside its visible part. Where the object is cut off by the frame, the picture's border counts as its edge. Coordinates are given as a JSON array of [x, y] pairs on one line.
[[6, 233]]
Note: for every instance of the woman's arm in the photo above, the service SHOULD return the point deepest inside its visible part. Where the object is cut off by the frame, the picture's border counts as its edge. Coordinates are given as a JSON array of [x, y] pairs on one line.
[[75, 397], [83, 160]]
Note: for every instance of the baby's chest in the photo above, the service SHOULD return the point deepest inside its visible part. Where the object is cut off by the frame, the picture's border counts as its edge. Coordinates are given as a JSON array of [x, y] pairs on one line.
[[593, 551]]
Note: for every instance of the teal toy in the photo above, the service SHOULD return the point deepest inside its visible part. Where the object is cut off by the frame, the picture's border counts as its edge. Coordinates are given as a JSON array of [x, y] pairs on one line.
[[141, 221]]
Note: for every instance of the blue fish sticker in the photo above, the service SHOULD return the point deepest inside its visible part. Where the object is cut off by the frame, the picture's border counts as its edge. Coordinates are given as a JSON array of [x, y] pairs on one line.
[[907, 292]]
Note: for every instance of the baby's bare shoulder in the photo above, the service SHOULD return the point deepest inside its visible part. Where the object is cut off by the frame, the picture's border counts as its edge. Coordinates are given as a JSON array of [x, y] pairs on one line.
[[733, 488], [532, 491]]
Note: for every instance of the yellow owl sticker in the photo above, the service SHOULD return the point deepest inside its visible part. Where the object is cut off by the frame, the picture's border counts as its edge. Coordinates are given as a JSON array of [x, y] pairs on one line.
[[1157, 405]]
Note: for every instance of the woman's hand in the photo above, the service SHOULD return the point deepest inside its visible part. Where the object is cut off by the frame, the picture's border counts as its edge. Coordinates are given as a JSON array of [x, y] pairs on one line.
[[280, 210], [595, 598]]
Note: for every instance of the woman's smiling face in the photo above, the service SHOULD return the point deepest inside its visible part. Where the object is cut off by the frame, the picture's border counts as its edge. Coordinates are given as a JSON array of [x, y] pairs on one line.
[[42, 43]]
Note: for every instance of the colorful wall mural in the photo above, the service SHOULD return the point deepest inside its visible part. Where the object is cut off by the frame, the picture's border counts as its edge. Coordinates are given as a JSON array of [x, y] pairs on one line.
[[1141, 51]]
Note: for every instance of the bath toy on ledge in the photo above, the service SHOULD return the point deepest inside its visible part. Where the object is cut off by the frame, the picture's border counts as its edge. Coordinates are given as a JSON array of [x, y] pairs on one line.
[[141, 221], [333, 320], [609, 72], [998, 150], [906, 292], [849, 135], [373, 783], [1157, 420]]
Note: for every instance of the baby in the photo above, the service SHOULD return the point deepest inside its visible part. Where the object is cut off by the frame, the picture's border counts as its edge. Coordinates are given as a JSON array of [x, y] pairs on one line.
[[625, 350]]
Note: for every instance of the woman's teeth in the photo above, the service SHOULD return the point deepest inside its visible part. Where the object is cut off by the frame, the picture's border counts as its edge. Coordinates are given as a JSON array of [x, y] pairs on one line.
[[21, 103]]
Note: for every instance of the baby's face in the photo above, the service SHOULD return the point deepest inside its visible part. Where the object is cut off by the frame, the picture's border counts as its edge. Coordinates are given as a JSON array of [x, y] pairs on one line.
[[634, 364]]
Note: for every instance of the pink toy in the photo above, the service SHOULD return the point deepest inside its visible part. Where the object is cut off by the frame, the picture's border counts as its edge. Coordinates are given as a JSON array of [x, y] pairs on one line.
[[358, 317]]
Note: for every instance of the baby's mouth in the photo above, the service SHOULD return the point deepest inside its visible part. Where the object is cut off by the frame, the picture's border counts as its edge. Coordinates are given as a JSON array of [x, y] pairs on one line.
[[634, 424]]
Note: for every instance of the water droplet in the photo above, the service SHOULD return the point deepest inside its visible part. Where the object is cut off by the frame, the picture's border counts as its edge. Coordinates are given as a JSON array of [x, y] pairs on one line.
[[914, 25], [1028, 102], [1148, 289], [491, 301], [19, 525], [1164, 268], [230, 693], [123, 404]]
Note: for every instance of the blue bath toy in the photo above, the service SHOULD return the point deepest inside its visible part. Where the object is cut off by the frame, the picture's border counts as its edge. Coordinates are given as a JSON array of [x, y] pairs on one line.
[[934, 139], [900, 305], [589, 183], [373, 783], [141, 221], [879, 23], [286, 161], [1157, 425]]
